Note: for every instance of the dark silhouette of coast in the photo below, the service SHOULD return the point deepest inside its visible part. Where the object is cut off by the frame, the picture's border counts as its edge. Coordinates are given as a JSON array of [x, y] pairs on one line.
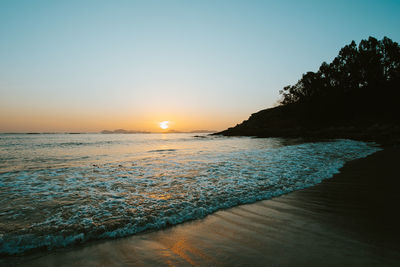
[[296, 120], [355, 96]]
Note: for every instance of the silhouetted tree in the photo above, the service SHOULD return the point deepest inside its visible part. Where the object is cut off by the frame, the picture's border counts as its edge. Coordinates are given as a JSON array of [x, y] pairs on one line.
[[371, 66]]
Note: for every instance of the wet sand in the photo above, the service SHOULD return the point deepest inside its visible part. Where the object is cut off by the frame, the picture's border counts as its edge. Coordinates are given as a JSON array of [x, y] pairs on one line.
[[351, 220]]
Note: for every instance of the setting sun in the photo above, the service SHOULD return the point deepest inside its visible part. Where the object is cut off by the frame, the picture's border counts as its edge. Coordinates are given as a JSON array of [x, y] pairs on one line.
[[164, 125]]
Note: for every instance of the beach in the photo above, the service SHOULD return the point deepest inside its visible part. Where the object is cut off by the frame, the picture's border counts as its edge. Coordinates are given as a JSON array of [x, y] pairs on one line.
[[199, 133], [350, 219]]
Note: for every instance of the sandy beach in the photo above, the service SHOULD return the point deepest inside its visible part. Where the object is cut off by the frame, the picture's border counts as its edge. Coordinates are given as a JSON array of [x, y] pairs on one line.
[[199, 133], [349, 220]]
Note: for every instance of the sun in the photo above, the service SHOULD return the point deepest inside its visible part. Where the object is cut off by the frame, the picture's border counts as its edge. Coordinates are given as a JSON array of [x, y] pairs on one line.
[[164, 125]]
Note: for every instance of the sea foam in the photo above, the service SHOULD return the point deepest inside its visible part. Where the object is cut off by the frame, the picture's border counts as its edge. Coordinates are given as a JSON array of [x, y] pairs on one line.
[[107, 197]]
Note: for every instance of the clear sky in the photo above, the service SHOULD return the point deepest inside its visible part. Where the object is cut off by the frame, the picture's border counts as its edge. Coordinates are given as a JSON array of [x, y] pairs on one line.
[[93, 65]]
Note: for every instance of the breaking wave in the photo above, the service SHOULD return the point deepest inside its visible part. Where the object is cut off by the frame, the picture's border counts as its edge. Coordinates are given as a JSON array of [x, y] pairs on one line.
[[56, 207]]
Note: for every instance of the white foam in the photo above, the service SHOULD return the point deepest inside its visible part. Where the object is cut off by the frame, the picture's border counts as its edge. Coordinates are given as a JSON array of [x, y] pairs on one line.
[[61, 206]]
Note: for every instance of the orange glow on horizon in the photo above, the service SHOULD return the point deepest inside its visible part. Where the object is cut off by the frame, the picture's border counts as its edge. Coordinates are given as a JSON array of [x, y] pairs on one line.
[[25, 119]]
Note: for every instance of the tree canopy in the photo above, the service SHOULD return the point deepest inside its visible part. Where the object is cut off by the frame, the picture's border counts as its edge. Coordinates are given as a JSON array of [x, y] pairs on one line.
[[355, 96], [373, 65]]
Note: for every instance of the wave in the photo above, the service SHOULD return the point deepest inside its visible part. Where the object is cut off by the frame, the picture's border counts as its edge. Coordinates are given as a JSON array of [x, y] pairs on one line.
[[162, 150], [74, 205]]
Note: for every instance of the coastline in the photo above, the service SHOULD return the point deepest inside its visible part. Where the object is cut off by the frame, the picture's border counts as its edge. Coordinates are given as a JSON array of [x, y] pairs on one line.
[[349, 219]]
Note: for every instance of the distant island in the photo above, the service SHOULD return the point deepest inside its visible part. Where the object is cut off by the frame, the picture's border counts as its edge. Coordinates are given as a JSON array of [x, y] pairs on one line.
[[356, 96], [123, 131]]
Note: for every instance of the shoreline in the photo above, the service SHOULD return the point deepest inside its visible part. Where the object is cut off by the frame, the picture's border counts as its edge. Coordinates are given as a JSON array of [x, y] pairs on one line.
[[347, 219], [384, 140]]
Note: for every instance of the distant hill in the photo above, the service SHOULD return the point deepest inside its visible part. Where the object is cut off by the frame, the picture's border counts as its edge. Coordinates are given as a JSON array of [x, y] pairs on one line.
[[122, 131], [356, 96]]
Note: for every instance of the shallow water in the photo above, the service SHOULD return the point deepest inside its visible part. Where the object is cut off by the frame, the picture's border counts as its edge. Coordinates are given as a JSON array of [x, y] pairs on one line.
[[57, 190]]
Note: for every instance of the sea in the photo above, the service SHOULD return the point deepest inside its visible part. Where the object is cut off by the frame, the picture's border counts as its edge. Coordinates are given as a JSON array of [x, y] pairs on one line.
[[59, 190]]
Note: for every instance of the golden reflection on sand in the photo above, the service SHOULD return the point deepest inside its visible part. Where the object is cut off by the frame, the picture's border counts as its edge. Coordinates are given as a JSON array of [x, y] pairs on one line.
[[185, 250], [325, 225]]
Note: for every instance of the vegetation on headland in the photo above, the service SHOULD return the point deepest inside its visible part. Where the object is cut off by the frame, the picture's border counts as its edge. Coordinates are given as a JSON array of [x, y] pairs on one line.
[[356, 96]]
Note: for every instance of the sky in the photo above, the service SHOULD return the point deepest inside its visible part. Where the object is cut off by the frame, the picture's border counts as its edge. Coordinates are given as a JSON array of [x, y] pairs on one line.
[[92, 65]]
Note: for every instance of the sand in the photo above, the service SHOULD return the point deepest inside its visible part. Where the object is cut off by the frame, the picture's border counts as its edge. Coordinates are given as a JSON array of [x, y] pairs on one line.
[[349, 220]]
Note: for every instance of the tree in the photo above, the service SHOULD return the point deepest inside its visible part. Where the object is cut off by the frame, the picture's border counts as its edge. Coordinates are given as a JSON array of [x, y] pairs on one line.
[[370, 66]]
